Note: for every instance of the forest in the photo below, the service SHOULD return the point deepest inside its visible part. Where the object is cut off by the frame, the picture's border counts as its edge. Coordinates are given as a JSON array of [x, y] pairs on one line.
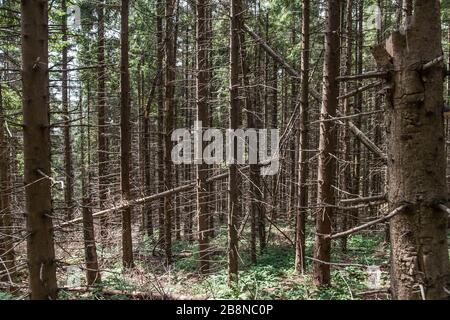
[[224, 150]]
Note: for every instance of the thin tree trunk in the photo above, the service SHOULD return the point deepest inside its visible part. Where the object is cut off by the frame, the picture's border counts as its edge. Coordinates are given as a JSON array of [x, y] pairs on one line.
[[202, 116], [347, 179], [90, 249], [303, 171], [125, 141], [68, 170], [101, 116], [234, 201], [36, 136], [169, 125]]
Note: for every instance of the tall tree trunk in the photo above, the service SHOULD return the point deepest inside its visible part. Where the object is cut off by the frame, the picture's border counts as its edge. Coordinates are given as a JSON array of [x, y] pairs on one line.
[[234, 201], [160, 120], [36, 136], [147, 208], [90, 249], [202, 116], [101, 114], [169, 125], [125, 141], [420, 261], [254, 176], [303, 171], [327, 146], [68, 170], [347, 179]]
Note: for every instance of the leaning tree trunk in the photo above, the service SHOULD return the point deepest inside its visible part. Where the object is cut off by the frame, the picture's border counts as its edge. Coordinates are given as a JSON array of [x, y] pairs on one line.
[[36, 136], [416, 164], [327, 147]]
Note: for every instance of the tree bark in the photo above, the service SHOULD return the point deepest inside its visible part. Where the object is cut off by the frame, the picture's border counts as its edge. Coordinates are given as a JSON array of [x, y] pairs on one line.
[[416, 167], [169, 85], [125, 137], [90, 249], [160, 120], [101, 117], [202, 116], [68, 170], [234, 201], [327, 145], [303, 164], [36, 135]]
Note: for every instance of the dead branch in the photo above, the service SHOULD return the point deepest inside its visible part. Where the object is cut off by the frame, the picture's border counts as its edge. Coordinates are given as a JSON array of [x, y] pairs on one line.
[[432, 63], [369, 224], [314, 93], [126, 204], [133, 294], [367, 75], [364, 200]]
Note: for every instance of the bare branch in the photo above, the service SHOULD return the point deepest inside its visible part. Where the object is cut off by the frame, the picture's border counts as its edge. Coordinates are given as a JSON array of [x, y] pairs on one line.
[[369, 224]]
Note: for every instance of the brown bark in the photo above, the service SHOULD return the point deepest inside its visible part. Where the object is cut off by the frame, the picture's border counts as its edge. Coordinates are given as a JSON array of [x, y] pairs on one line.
[[346, 150], [416, 168], [68, 170], [327, 145], [125, 141], [101, 117], [36, 135], [169, 85], [160, 120], [202, 115], [254, 205], [90, 249], [234, 201], [303, 171]]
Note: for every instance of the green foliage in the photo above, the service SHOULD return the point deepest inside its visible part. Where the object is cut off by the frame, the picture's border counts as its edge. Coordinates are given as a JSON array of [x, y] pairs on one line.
[[6, 296], [274, 277]]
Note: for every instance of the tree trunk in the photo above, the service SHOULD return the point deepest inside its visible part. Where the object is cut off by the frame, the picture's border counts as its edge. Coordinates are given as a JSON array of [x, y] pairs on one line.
[[202, 116], [234, 201], [90, 249], [68, 170], [416, 167], [36, 136], [125, 141], [327, 145], [160, 120], [303, 171], [101, 114], [169, 125], [346, 150]]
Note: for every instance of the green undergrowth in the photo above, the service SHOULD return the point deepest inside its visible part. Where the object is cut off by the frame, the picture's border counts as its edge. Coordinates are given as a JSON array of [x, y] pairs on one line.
[[273, 277]]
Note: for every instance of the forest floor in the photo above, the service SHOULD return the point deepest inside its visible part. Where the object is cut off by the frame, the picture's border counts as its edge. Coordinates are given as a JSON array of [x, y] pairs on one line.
[[273, 277]]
